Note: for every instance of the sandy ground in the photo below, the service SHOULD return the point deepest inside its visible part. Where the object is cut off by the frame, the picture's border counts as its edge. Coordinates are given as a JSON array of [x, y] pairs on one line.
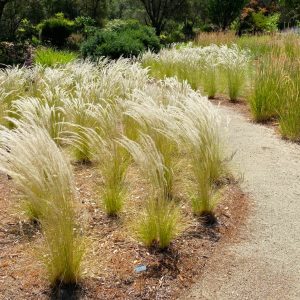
[[264, 263]]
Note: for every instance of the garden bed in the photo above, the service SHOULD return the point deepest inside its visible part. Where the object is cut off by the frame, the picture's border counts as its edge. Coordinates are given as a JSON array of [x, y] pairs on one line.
[[112, 251]]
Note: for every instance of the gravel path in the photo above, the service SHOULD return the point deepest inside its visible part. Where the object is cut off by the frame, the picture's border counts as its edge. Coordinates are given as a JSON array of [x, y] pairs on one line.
[[265, 262]]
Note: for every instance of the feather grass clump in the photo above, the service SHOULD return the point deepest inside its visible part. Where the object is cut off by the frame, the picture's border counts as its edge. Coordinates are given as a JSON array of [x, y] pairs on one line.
[[45, 184], [111, 114], [152, 118], [235, 62], [161, 220], [79, 115], [202, 67], [103, 148], [197, 129], [160, 223]]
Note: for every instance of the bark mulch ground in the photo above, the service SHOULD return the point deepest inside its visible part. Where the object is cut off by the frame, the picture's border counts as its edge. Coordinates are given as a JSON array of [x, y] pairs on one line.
[[112, 251]]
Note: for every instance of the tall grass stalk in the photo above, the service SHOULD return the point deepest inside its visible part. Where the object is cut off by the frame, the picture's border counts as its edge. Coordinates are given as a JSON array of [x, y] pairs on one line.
[[210, 81], [29, 155], [235, 63], [266, 99], [114, 166], [289, 121], [113, 162], [64, 248], [289, 115], [202, 67], [80, 114], [48, 57], [150, 162]]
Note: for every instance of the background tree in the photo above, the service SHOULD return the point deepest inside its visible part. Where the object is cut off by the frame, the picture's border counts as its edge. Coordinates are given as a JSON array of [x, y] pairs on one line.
[[223, 12], [259, 16], [159, 11], [2, 6], [290, 11], [95, 9], [126, 9], [17, 10], [52, 7]]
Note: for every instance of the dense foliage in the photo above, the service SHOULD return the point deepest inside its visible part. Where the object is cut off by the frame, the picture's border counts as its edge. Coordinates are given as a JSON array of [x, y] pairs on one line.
[[56, 30], [177, 18], [129, 27], [121, 39]]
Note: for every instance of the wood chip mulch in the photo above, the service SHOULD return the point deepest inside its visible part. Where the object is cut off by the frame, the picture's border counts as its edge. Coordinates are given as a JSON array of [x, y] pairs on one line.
[[112, 251]]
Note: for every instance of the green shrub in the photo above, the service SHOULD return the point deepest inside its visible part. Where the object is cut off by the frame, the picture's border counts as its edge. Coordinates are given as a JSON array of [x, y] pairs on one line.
[[173, 33], [121, 39], [26, 31], [85, 25], [264, 23], [56, 30]]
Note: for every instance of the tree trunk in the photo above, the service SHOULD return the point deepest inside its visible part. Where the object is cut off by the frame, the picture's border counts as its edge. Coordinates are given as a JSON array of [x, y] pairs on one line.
[[2, 5]]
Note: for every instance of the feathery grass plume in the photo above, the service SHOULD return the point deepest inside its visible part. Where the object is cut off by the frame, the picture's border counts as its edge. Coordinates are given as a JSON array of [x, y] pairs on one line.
[[210, 79], [235, 62], [14, 82], [112, 159], [161, 220], [94, 82], [37, 111], [118, 78], [113, 164], [64, 248], [152, 118], [167, 92], [79, 115], [150, 162], [3, 105], [106, 81], [45, 183], [201, 67], [198, 130], [31, 158]]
